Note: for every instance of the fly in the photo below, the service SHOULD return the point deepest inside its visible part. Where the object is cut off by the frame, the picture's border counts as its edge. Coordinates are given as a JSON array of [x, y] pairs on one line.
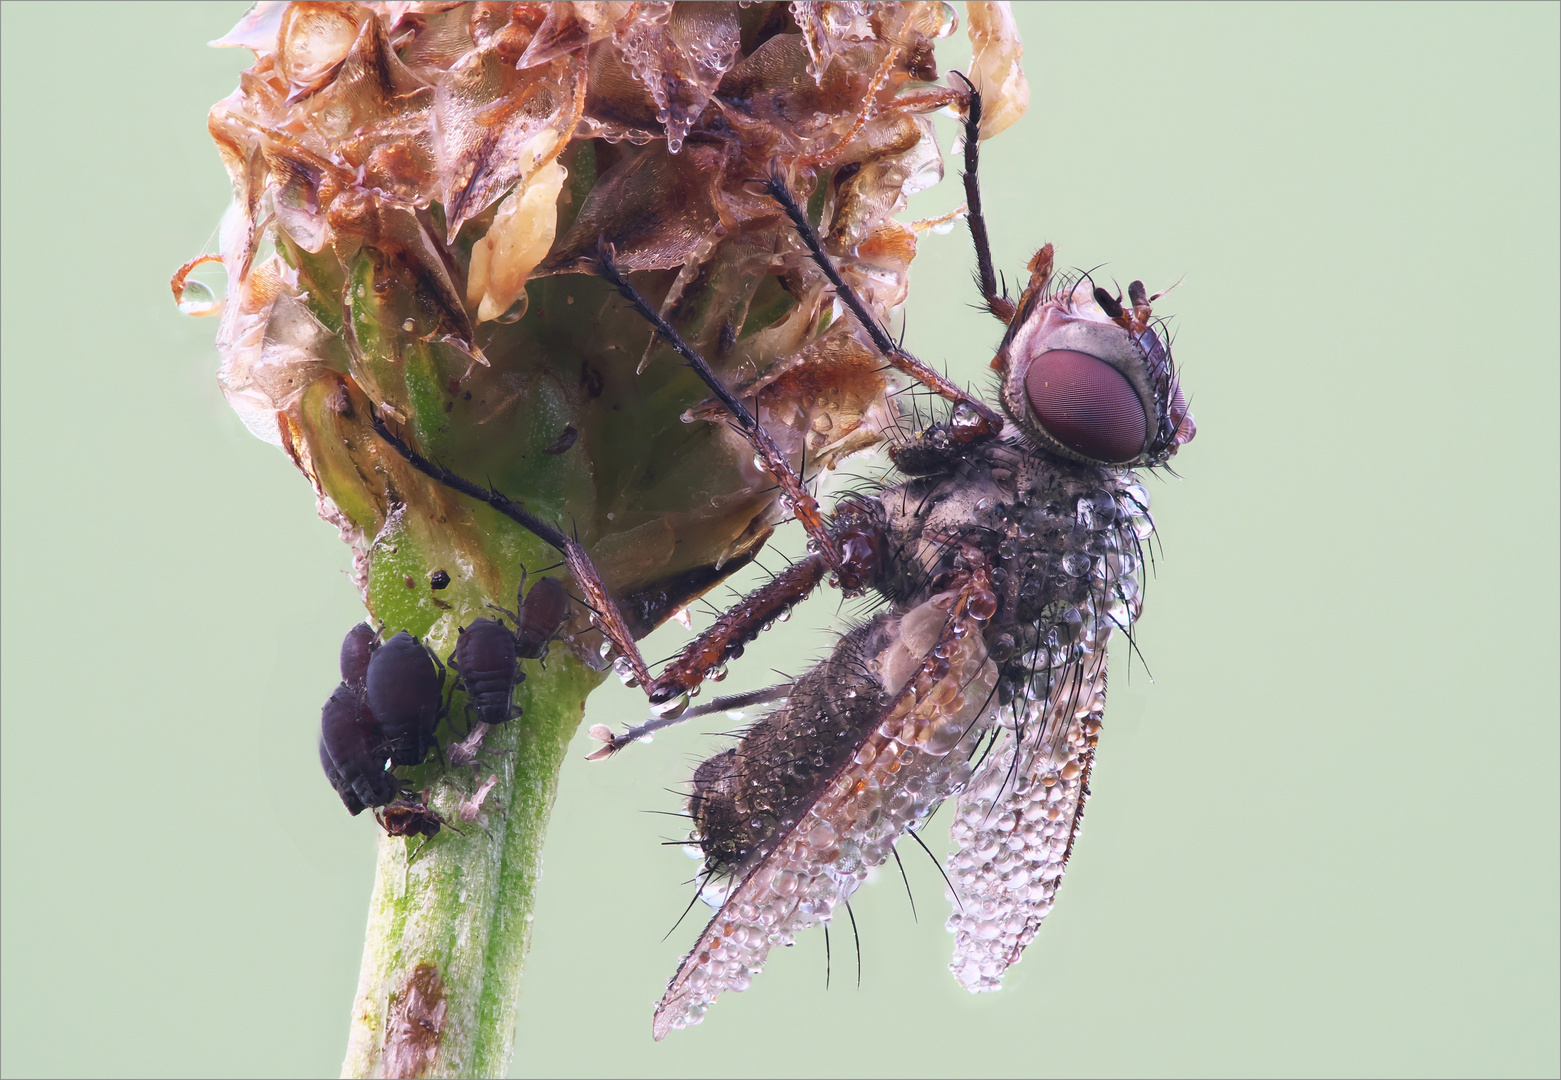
[[1008, 551]]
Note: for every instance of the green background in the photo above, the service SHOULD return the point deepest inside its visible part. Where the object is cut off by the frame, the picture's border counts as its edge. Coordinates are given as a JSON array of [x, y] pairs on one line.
[[1323, 841]]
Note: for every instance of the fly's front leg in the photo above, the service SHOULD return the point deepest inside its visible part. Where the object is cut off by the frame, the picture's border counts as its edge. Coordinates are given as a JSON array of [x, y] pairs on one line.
[[803, 506], [973, 419], [986, 276], [605, 615]]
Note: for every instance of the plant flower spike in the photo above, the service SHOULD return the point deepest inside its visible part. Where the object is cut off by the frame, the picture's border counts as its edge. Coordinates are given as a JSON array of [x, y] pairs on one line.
[[562, 308]]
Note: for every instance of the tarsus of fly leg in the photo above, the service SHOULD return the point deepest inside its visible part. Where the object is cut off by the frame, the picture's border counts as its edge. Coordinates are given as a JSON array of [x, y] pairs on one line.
[[611, 743]]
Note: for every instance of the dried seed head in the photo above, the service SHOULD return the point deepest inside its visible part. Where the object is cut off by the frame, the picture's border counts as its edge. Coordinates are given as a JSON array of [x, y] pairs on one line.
[[418, 196]]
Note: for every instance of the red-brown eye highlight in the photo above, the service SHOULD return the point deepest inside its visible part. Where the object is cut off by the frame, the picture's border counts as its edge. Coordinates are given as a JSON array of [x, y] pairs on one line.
[[1086, 405]]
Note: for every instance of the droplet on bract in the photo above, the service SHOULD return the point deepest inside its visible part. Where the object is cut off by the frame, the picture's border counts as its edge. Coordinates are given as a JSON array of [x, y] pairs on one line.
[[198, 300], [948, 20], [195, 297]]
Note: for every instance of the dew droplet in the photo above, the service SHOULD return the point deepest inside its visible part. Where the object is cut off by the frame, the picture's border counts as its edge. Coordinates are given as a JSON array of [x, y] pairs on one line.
[[197, 300], [948, 20], [672, 708]]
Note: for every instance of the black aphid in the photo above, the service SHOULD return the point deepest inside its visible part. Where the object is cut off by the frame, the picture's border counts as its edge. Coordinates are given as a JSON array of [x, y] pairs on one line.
[[356, 648], [489, 669], [487, 656], [405, 684], [351, 743], [541, 616], [350, 752]]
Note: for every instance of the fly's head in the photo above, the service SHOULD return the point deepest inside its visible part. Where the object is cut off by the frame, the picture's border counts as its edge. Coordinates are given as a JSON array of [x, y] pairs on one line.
[[1090, 379]]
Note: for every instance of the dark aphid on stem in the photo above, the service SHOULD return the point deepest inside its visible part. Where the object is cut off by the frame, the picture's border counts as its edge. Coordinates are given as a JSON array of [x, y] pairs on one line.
[[356, 649], [488, 667], [405, 684], [352, 753], [487, 656], [542, 615]]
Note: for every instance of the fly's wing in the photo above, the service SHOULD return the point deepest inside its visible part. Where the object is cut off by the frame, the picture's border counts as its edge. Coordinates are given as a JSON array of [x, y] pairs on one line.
[[1018, 817], [1017, 821], [916, 755]]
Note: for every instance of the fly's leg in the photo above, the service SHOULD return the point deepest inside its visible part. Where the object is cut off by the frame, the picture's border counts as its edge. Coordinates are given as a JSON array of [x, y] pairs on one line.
[[722, 642], [973, 420], [803, 506], [738, 626], [986, 276], [605, 615], [611, 743], [857, 535], [857, 542]]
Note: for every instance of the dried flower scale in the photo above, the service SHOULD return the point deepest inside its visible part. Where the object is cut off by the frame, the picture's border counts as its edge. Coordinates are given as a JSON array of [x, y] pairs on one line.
[[439, 212], [401, 172]]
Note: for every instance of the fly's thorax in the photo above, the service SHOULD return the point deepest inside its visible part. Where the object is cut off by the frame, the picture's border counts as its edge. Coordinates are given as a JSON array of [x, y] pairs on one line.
[[1070, 575], [927, 518]]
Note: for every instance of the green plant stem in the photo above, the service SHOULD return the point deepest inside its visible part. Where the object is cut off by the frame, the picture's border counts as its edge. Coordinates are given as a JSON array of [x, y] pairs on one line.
[[448, 932]]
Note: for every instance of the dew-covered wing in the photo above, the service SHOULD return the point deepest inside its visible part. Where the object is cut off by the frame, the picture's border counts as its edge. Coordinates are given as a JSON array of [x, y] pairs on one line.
[[1017, 820], [915, 755]]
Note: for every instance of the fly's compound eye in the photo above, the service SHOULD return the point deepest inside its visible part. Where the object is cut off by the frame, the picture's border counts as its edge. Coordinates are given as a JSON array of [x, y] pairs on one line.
[[1086, 405]]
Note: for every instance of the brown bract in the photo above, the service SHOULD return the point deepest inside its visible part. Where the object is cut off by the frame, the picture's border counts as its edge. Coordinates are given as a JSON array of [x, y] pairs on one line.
[[419, 192]]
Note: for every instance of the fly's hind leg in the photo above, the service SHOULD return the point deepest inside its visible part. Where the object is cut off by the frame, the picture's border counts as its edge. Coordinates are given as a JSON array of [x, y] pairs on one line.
[[612, 743]]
